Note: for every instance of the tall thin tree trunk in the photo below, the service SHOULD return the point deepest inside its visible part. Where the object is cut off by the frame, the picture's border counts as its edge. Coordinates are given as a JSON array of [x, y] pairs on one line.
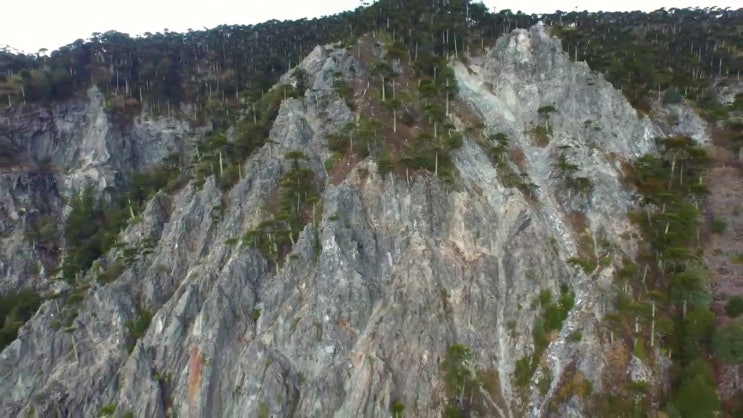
[[221, 165], [652, 328]]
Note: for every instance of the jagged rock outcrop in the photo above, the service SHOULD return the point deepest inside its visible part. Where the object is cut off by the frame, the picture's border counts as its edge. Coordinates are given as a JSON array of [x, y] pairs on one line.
[[46, 153], [680, 119], [394, 271], [592, 126]]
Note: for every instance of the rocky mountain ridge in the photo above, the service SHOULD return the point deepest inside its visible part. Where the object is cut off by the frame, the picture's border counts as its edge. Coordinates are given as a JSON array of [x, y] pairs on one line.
[[386, 275]]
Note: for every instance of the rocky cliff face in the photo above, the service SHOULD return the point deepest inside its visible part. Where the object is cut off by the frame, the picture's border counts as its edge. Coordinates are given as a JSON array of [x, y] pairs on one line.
[[50, 152], [389, 274]]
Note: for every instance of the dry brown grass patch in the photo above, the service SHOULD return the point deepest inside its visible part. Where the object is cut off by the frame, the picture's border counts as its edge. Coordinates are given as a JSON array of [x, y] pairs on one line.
[[579, 222], [617, 359], [575, 385], [517, 156], [342, 167]]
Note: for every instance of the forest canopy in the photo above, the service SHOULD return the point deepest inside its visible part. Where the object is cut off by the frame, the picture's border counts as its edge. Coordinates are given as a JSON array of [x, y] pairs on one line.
[[684, 50]]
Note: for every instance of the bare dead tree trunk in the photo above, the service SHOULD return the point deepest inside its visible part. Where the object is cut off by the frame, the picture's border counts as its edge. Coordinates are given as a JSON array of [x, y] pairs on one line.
[[652, 328]]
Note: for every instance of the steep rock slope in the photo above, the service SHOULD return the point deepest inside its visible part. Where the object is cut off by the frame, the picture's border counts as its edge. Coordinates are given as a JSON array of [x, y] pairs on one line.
[[526, 81], [51, 152], [388, 273]]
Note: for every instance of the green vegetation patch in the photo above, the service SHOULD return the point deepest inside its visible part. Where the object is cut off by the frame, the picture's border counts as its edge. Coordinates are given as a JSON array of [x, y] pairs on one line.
[[15, 310], [297, 195], [137, 328], [734, 307], [551, 316], [671, 294]]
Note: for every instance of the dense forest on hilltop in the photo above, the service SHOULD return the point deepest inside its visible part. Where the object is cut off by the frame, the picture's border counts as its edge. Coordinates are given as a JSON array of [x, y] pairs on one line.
[[224, 77], [679, 49]]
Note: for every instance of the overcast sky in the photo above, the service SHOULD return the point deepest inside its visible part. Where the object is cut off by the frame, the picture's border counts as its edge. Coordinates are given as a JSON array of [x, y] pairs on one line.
[[30, 25]]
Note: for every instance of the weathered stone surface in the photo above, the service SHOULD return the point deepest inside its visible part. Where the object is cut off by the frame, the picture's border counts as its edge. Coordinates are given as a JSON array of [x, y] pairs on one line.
[[362, 311], [52, 152]]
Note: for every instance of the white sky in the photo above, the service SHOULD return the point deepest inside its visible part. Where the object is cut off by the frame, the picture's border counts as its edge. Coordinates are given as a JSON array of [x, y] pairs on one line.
[[30, 25]]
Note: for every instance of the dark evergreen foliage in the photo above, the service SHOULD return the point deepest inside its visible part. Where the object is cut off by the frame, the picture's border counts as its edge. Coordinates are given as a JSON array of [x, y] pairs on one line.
[[15, 310], [681, 49], [670, 187]]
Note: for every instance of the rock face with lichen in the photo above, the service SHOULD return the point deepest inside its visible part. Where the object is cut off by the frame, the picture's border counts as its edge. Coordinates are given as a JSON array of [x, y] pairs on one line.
[[387, 274]]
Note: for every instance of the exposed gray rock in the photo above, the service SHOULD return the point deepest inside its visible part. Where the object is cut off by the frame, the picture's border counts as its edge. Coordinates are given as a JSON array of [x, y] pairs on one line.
[[28, 240], [726, 92], [362, 311], [56, 151], [593, 127], [638, 371], [680, 119]]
